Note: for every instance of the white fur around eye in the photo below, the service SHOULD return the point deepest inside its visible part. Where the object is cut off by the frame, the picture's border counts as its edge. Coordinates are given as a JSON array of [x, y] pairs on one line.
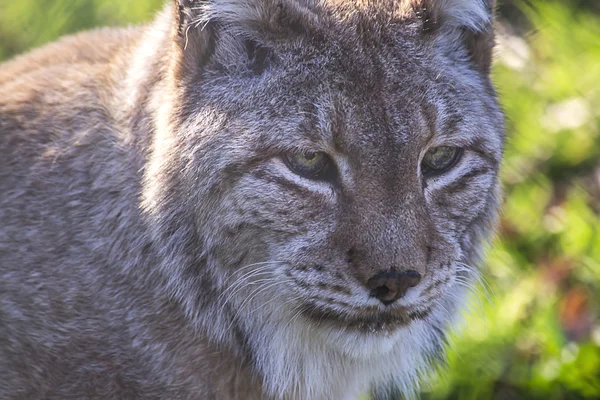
[[465, 163], [321, 187]]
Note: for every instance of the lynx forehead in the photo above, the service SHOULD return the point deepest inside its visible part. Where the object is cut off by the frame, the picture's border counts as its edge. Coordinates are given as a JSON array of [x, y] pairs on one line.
[[266, 199]]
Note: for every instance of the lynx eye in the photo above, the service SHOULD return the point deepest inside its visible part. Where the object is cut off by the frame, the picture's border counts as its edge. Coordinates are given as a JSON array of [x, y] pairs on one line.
[[309, 164], [440, 159]]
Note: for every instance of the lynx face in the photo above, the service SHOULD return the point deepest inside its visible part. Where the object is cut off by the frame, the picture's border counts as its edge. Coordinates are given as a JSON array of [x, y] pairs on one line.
[[335, 166]]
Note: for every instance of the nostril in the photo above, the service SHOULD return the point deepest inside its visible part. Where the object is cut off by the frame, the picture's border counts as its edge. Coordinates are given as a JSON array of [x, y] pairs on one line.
[[390, 286], [381, 292], [413, 278]]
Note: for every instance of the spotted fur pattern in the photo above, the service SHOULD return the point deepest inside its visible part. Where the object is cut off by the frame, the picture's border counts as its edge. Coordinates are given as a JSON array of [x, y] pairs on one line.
[[153, 244]]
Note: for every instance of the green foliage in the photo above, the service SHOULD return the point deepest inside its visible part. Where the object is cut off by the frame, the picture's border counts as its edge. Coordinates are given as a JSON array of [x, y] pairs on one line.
[[30, 23], [537, 333]]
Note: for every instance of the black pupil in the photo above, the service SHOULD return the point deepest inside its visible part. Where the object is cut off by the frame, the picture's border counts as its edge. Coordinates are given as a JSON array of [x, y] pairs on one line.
[[309, 156]]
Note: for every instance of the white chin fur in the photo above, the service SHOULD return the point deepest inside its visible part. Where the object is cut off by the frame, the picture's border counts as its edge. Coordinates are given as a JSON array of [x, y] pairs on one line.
[[302, 361], [361, 345]]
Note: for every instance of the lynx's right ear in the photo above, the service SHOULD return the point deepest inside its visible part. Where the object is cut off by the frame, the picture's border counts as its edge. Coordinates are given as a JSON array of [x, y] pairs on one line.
[[193, 39], [235, 34]]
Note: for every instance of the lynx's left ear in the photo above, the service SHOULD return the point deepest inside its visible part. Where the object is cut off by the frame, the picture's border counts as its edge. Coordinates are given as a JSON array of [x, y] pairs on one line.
[[469, 23]]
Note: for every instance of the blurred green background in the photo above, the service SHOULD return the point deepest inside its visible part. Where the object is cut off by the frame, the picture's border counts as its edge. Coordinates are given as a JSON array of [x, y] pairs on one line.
[[533, 330]]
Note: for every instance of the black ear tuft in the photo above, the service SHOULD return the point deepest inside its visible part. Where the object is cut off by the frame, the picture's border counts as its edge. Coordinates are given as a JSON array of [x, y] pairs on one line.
[[179, 15], [183, 12]]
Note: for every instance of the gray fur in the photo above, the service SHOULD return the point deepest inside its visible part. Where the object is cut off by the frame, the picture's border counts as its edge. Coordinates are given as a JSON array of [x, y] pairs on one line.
[[154, 245]]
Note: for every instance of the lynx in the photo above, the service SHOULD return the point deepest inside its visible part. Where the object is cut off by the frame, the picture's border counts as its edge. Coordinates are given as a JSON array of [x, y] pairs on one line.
[[245, 199]]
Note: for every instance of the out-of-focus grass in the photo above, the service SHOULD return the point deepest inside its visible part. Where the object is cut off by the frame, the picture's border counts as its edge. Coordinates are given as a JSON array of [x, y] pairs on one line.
[[536, 334], [29, 23]]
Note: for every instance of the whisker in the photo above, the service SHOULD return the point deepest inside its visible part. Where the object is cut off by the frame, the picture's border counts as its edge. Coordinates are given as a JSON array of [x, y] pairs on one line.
[[251, 283], [273, 299], [469, 305], [245, 267], [476, 274], [251, 297], [299, 307], [475, 289], [243, 279], [249, 274], [265, 266]]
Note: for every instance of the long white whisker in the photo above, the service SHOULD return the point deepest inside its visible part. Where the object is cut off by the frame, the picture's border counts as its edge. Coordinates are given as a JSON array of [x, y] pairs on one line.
[[255, 264], [273, 299], [475, 289], [476, 274], [477, 298], [245, 277], [232, 292], [251, 297], [299, 307], [248, 284]]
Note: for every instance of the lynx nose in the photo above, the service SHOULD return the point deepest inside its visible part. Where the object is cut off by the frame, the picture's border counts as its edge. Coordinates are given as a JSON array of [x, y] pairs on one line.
[[391, 285]]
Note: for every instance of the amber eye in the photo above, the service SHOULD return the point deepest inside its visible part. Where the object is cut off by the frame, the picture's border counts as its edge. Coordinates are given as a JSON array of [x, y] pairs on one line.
[[309, 164], [440, 159]]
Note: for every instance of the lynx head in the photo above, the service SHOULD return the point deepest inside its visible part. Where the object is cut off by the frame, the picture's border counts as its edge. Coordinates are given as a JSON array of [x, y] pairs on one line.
[[323, 178]]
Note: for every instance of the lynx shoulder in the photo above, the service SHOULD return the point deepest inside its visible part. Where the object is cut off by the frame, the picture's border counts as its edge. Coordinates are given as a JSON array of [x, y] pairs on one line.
[[245, 199]]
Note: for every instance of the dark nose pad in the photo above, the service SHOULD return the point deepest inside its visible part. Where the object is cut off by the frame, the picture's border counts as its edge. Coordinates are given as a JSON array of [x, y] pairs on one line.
[[392, 285]]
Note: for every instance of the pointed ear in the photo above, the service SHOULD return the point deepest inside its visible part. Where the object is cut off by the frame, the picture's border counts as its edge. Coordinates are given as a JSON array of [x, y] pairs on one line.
[[480, 41], [179, 13], [234, 33], [193, 38], [468, 22]]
